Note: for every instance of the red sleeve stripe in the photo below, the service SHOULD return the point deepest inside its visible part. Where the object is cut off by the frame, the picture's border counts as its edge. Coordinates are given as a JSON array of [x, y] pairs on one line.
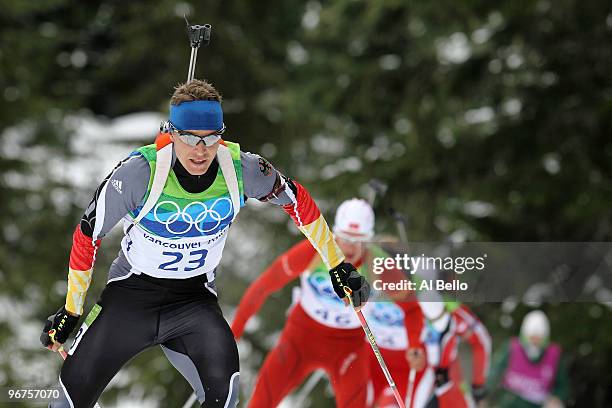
[[303, 209], [83, 252]]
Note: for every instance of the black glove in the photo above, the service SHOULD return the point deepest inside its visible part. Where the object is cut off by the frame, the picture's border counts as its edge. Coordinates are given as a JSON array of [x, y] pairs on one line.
[[441, 376], [479, 392], [63, 324], [345, 274]]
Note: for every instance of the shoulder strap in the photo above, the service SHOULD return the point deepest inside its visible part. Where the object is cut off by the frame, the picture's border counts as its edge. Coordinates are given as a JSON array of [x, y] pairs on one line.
[[229, 174], [162, 169]]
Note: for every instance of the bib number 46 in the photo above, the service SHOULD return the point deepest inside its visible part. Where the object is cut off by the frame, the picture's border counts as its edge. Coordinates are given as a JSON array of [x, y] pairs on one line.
[[339, 319], [195, 260]]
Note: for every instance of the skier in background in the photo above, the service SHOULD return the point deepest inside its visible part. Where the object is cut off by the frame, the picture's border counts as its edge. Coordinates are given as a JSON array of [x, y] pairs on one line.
[[528, 371], [470, 329], [321, 332], [467, 327]]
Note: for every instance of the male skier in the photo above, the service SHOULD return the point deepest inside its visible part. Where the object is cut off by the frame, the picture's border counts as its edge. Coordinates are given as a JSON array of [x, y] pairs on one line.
[[529, 371], [393, 341], [471, 330], [433, 385], [177, 198]]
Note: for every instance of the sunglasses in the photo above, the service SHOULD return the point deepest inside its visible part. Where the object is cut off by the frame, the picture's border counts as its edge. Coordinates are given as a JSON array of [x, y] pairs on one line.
[[191, 139]]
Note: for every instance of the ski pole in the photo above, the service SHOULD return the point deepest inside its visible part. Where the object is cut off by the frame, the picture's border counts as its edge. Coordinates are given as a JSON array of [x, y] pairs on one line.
[[400, 223], [190, 401], [64, 355], [379, 357], [308, 387], [379, 189], [411, 387]]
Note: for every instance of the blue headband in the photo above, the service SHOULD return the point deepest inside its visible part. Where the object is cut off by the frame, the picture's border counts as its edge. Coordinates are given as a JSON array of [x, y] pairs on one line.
[[197, 115]]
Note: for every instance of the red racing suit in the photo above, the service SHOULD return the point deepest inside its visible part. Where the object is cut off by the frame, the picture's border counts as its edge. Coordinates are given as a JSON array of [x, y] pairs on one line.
[[321, 333], [309, 340], [473, 331], [465, 325]]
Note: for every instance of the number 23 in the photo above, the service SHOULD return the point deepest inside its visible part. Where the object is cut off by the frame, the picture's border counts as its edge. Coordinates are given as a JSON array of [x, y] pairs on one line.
[[196, 258]]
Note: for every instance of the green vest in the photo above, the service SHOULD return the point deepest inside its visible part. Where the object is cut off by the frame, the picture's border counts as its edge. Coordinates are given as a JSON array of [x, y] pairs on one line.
[[181, 214]]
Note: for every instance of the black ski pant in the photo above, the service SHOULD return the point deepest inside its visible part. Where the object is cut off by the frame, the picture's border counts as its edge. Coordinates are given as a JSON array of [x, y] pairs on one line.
[[138, 312]]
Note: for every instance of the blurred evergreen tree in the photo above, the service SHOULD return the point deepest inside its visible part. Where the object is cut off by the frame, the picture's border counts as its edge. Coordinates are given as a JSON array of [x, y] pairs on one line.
[[487, 121]]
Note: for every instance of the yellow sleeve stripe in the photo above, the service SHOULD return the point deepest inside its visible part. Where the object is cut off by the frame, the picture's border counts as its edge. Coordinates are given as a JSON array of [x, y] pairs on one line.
[[322, 239], [78, 283]]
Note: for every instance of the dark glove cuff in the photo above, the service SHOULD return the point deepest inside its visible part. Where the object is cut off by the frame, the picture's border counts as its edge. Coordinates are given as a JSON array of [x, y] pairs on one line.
[[343, 268], [44, 337], [479, 392], [441, 376], [64, 323], [339, 275]]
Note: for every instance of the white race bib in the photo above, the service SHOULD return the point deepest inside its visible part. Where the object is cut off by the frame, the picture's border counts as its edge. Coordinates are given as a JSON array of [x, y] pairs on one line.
[[172, 258], [320, 302], [386, 320]]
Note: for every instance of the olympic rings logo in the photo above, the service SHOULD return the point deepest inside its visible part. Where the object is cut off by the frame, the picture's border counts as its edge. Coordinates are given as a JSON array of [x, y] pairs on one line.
[[216, 212]]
